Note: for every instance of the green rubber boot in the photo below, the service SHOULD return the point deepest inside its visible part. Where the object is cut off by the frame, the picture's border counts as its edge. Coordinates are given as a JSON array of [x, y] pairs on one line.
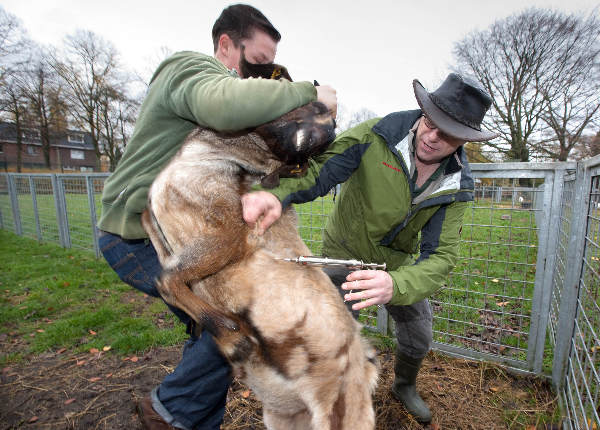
[[405, 390]]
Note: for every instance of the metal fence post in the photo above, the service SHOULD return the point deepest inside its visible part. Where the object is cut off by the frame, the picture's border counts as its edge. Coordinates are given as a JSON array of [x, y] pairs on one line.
[[14, 203], [61, 212], [554, 184], [570, 292], [92, 203], [36, 215]]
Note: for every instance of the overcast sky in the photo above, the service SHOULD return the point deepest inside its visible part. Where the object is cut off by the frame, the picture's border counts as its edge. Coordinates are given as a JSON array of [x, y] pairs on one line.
[[370, 51]]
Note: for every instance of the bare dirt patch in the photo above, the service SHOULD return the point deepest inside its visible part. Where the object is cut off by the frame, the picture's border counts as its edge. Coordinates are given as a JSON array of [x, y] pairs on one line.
[[101, 391]]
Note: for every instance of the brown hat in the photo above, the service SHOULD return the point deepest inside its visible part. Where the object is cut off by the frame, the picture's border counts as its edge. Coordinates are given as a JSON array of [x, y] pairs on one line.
[[457, 108]]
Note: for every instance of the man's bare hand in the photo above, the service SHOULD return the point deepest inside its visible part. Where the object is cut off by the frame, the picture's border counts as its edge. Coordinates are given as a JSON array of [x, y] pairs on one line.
[[376, 288], [260, 204], [327, 95]]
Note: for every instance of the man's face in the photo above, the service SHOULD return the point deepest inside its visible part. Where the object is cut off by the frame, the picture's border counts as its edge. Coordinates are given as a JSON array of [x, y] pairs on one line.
[[432, 144], [259, 49]]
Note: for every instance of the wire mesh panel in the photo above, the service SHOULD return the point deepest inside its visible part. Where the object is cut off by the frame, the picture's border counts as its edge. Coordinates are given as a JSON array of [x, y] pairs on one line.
[[75, 194], [581, 391], [46, 209], [486, 306], [312, 217], [6, 215], [26, 207]]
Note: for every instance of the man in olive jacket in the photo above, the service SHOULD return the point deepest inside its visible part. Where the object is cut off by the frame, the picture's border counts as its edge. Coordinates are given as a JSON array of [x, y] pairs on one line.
[[406, 180], [188, 90]]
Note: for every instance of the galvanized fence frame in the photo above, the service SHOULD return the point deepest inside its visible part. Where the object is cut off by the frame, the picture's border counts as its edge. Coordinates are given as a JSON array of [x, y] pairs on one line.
[[574, 328], [561, 325]]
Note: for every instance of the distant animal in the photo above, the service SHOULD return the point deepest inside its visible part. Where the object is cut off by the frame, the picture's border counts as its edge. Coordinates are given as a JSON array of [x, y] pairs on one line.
[[284, 328]]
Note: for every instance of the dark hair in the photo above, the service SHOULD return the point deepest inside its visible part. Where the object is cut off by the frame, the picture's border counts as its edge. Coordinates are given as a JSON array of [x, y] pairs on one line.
[[239, 21]]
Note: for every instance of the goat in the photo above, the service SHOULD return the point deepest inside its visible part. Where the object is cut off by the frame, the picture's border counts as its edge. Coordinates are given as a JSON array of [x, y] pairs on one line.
[[284, 328]]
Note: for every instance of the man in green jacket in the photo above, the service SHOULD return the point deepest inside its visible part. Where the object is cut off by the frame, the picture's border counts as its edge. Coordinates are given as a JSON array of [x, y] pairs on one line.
[[406, 179], [188, 90]]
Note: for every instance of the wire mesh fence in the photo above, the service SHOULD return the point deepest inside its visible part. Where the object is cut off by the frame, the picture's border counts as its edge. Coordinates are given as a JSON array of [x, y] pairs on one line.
[[524, 292], [575, 314]]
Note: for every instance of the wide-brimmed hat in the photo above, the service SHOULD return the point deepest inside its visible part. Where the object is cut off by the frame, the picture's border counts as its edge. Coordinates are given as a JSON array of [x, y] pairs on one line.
[[457, 107]]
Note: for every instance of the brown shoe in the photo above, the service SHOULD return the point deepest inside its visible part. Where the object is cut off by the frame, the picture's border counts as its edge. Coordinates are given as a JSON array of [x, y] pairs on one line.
[[150, 419]]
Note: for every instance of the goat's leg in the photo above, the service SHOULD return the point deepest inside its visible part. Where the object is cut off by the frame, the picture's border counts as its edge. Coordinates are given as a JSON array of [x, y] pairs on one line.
[[203, 257], [277, 421]]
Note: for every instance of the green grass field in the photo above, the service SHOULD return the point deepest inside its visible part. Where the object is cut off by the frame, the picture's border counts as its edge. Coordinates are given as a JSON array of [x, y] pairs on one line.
[[55, 298]]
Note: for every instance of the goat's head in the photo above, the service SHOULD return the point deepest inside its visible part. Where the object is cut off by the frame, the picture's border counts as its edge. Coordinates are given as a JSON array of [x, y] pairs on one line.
[[295, 137]]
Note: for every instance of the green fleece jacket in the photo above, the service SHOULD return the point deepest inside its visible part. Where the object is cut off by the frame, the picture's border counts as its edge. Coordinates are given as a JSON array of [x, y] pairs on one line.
[[379, 215], [188, 90]]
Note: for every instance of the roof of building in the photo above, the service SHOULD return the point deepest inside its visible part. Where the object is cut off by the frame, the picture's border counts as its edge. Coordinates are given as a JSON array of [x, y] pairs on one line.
[[8, 133]]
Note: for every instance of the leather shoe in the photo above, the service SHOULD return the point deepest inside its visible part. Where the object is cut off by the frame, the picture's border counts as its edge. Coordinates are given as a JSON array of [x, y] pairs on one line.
[[150, 419]]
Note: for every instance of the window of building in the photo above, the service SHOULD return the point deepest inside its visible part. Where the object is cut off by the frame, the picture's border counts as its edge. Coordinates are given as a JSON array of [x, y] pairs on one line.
[[32, 150], [1, 149], [30, 134], [77, 154], [75, 138]]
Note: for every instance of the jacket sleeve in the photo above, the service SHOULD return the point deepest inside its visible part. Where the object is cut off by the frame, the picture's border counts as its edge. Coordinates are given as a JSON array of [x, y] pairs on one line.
[[205, 92], [332, 167], [439, 251]]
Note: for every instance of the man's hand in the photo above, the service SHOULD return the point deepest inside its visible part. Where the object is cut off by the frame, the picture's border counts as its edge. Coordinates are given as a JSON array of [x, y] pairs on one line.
[[260, 204], [327, 95], [377, 288]]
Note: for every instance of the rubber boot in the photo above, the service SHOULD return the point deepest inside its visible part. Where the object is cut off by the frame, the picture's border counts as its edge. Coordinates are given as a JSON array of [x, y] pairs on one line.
[[405, 389]]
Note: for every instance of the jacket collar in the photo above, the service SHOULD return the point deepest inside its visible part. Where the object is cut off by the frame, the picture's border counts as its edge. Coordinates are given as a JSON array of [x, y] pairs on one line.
[[394, 127]]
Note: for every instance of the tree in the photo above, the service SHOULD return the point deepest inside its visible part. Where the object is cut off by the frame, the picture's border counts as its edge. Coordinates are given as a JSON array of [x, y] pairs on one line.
[[13, 41], [14, 104], [517, 57], [118, 113], [349, 118], [44, 93], [587, 147], [88, 68], [572, 102]]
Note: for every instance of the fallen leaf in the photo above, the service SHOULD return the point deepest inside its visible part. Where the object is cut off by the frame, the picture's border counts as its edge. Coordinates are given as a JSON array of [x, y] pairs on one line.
[[495, 280], [434, 426], [92, 332], [66, 284], [95, 379], [71, 257], [106, 348], [40, 330], [502, 303], [80, 363], [494, 389], [33, 419], [125, 358], [31, 334], [246, 394], [108, 375], [69, 401], [60, 351], [134, 359], [94, 351]]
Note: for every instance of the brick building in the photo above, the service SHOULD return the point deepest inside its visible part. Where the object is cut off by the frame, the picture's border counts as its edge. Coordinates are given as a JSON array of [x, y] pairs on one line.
[[71, 151]]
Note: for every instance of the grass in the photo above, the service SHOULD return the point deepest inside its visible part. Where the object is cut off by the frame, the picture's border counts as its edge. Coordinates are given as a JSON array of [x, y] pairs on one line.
[[54, 298]]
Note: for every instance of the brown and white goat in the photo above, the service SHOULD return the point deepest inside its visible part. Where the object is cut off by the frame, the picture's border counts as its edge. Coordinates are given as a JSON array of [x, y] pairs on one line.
[[283, 328]]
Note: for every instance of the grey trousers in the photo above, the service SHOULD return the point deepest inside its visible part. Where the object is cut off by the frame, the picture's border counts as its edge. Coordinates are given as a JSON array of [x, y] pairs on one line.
[[413, 322]]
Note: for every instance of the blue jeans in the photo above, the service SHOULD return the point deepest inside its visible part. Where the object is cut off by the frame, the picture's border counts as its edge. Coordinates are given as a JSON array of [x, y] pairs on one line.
[[194, 395]]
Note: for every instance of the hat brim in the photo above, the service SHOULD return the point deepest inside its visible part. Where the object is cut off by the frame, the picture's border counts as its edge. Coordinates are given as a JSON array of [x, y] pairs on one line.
[[445, 122]]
